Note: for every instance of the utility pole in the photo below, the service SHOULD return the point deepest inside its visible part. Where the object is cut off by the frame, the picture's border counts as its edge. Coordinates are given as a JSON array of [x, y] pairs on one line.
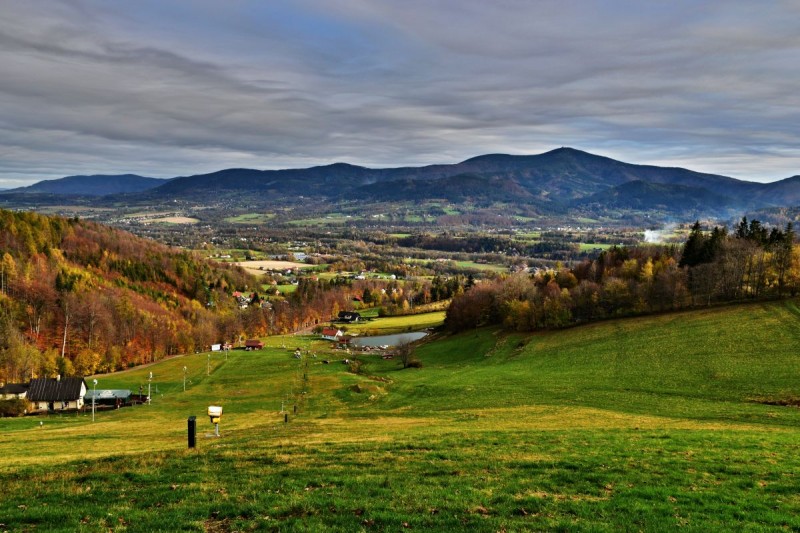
[[94, 396]]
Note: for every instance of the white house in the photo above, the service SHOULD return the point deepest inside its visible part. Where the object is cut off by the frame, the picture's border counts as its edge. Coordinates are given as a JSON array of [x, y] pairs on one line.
[[13, 391], [57, 394], [331, 334]]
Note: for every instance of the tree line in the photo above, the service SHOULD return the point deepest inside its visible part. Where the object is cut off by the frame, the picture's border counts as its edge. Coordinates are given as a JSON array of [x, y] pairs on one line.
[[712, 267]]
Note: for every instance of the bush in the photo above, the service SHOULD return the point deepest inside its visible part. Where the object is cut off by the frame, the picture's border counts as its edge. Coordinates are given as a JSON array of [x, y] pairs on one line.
[[13, 407], [354, 366]]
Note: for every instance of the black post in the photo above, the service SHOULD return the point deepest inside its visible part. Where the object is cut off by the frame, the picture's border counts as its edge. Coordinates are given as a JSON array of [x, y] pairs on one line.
[[286, 418], [192, 431]]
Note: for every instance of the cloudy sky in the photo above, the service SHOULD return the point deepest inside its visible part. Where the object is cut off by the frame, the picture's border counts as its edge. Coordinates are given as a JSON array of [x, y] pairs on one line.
[[175, 87]]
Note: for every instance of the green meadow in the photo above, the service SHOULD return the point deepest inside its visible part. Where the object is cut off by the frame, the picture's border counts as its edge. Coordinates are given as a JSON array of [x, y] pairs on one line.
[[395, 324], [686, 421], [590, 246], [482, 266], [251, 218]]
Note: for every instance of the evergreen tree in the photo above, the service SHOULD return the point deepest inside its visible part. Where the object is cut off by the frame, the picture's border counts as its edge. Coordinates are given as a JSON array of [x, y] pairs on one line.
[[694, 249]]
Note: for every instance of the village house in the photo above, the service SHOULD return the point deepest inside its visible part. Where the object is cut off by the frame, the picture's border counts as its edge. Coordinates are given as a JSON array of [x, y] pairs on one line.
[[349, 316], [331, 333], [14, 391], [57, 394]]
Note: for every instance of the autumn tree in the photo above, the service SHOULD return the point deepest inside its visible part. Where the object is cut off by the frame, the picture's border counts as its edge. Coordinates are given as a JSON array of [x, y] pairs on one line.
[[405, 353]]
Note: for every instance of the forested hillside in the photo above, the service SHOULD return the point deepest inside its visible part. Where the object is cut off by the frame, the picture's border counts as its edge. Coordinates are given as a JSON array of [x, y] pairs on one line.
[[77, 297]]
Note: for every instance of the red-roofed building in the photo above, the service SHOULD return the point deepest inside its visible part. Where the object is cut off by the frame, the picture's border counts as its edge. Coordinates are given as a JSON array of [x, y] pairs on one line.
[[331, 333]]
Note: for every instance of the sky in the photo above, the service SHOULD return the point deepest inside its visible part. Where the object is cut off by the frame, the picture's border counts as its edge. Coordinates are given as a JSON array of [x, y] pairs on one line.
[[167, 88]]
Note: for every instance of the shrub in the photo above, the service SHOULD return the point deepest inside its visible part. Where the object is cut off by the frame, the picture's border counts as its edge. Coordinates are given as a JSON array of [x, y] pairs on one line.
[[355, 366], [13, 407]]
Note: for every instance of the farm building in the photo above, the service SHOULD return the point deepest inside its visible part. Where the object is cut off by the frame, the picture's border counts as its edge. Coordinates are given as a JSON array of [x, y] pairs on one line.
[[349, 316], [331, 334], [221, 347], [115, 397], [253, 344], [14, 391], [57, 394]]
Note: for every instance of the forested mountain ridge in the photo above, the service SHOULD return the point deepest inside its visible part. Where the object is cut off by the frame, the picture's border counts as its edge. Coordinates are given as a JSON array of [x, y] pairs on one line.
[[95, 185], [564, 181], [557, 177]]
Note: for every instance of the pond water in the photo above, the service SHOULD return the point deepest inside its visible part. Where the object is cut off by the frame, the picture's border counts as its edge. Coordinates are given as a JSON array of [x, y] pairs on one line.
[[390, 340]]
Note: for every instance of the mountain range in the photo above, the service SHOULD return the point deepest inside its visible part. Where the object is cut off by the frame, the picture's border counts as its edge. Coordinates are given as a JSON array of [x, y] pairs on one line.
[[556, 181], [95, 185]]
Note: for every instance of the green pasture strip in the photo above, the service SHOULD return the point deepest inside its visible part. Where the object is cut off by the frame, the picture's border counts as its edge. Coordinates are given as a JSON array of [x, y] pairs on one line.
[[482, 266], [369, 312], [251, 218], [588, 246], [330, 219], [286, 289], [397, 324]]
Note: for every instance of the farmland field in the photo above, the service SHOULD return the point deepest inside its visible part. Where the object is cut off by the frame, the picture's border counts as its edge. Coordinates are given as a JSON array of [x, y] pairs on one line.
[[251, 218], [258, 267], [654, 424], [590, 246], [397, 324], [176, 220], [482, 266]]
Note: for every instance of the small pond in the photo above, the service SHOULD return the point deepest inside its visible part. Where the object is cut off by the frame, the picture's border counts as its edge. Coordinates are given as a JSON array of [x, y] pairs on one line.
[[389, 340]]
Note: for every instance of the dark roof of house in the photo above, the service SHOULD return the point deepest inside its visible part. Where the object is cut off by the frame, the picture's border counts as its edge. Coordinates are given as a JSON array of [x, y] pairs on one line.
[[54, 390], [14, 388]]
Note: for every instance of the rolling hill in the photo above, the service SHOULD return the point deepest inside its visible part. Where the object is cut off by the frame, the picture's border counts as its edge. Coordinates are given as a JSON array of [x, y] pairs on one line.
[[680, 421], [95, 185]]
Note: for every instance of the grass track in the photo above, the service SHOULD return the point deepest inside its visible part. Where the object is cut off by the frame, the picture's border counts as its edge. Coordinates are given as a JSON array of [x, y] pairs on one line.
[[646, 424]]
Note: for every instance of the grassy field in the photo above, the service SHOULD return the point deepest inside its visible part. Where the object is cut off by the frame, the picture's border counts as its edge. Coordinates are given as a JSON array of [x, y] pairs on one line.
[[482, 266], [657, 424], [251, 218], [397, 324], [329, 219], [590, 246]]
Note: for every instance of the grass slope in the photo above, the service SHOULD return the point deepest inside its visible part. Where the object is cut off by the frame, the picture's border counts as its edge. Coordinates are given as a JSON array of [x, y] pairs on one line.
[[651, 424]]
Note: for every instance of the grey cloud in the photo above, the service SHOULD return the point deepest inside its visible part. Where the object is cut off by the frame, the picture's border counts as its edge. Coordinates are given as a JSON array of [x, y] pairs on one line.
[[89, 87]]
